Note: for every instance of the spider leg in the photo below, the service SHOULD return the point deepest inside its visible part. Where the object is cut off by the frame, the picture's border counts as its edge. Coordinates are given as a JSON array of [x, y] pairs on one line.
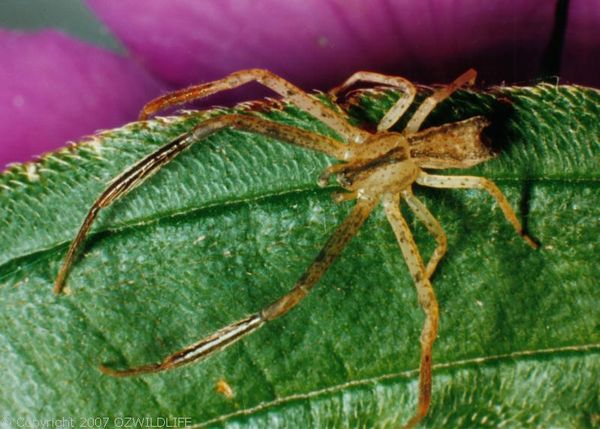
[[231, 333], [439, 181], [398, 109], [425, 294], [415, 122], [432, 225], [270, 80], [147, 166]]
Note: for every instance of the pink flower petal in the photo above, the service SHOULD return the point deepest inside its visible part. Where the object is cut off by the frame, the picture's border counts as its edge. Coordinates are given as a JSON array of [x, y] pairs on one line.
[[54, 89], [317, 43], [581, 55]]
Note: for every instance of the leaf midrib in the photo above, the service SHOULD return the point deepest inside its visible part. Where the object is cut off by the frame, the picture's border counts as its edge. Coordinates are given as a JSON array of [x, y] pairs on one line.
[[505, 358], [197, 210]]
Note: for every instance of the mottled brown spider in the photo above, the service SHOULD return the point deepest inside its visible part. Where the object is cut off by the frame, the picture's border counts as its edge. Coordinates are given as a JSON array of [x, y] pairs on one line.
[[373, 167]]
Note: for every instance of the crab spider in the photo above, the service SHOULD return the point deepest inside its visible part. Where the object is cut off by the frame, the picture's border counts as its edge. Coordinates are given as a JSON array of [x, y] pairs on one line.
[[374, 167]]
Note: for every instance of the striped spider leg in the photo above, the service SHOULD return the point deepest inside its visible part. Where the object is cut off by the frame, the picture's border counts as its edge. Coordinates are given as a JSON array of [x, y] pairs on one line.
[[374, 167]]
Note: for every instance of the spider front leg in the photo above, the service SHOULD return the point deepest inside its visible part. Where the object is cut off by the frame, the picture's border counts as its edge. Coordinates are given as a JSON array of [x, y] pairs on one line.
[[287, 90], [149, 165], [426, 297], [438, 181], [439, 95], [232, 333], [398, 109]]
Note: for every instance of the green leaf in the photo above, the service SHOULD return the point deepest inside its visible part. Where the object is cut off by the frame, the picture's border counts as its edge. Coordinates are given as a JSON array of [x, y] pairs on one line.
[[228, 227]]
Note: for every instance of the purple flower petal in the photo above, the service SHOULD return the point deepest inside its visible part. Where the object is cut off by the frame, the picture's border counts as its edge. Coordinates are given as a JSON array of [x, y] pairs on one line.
[[317, 43], [54, 89], [581, 56]]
